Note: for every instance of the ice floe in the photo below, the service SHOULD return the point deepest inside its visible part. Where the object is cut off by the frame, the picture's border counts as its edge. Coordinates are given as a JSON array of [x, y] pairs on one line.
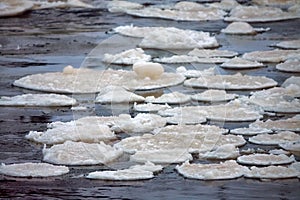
[[239, 28], [259, 14], [141, 123], [226, 5], [122, 6], [231, 82], [250, 131], [79, 153], [14, 7], [275, 139], [272, 172], [293, 147], [290, 124], [148, 70], [117, 94], [276, 3], [37, 100], [92, 81], [226, 151], [296, 166], [186, 119], [225, 170], [212, 53], [265, 159], [60, 4], [195, 73], [192, 129], [150, 107], [293, 80], [33, 170], [272, 56], [240, 63], [291, 44], [127, 57], [162, 156], [290, 65], [213, 96], [169, 98], [279, 151], [85, 130], [190, 59]]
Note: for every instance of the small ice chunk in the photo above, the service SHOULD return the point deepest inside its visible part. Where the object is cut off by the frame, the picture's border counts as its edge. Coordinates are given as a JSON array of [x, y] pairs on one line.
[[226, 5], [214, 96], [148, 166], [190, 59], [279, 151], [272, 56], [275, 139], [128, 57], [275, 3], [60, 4], [293, 80], [225, 170], [186, 119], [212, 53], [192, 129], [296, 166], [122, 6], [265, 159], [290, 65], [142, 122], [79, 108], [250, 131], [226, 151], [241, 63], [150, 107], [79, 153], [148, 70], [162, 156], [37, 100], [291, 44], [271, 172], [195, 73], [169, 98], [33, 170], [293, 147], [14, 7], [290, 124], [239, 28], [117, 94]]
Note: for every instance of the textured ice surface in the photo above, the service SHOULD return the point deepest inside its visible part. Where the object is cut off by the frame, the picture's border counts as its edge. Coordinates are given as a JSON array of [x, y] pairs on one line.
[[37, 100], [291, 44], [60, 4], [276, 3], [14, 7], [213, 96], [195, 73], [265, 159], [226, 5], [225, 170], [148, 166], [121, 175], [290, 65], [150, 70], [273, 56], [239, 28], [169, 98], [250, 131], [231, 82], [293, 80], [226, 151], [211, 53], [293, 147], [192, 129], [122, 6], [240, 63], [150, 107], [275, 139], [33, 170], [272, 172], [79, 153]]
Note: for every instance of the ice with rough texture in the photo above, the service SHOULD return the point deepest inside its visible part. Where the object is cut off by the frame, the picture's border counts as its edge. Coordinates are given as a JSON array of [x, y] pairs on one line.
[[37, 100], [279, 151], [117, 94], [296, 166], [186, 119], [121, 175], [190, 59], [211, 53], [150, 107], [240, 63], [33, 170], [265, 159], [148, 166], [162, 156], [272, 56], [272, 172], [293, 80], [226, 5], [79, 153], [231, 82], [239, 28], [250, 131], [225, 170], [275, 139], [85, 130], [195, 73], [128, 57], [141, 123], [259, 14], [290, 65], [214, 96], [169, 98], [14, 7], [192, 129], [122, 6], [293, 147], [149, 70], [276, 3], [291, 44], [226, 151], [92, 81], [60, 4]]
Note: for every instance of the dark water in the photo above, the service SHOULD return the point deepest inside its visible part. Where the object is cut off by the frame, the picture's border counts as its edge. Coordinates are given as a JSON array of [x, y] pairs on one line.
[[47, 40]]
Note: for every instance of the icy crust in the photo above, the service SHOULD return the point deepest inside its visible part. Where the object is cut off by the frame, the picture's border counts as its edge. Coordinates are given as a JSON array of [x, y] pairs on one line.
[[292, 44], [226, 151], [290, 65], [117, 94], [226, 5], [190, 59], [128, 57], [275, 139], [79, 153], [60, 4], [240, 63], [290, 124], [293, 147], [296, 166], [277, 99], [186, 119], [225, 170], [169, 98], [195, 73], [239, 28], [142, 122], [191, 142], [122, 6], [250, 131], [92, 81], [37, 100], [276, 3], [150, 107], [293, 80], [231, 82], [192, 129], [14, 7], [272, 172], [85, 130], [33, 170], [265, 159], [161, 156], [214, 96], [212, 53], [272, 56], [259, 14]]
